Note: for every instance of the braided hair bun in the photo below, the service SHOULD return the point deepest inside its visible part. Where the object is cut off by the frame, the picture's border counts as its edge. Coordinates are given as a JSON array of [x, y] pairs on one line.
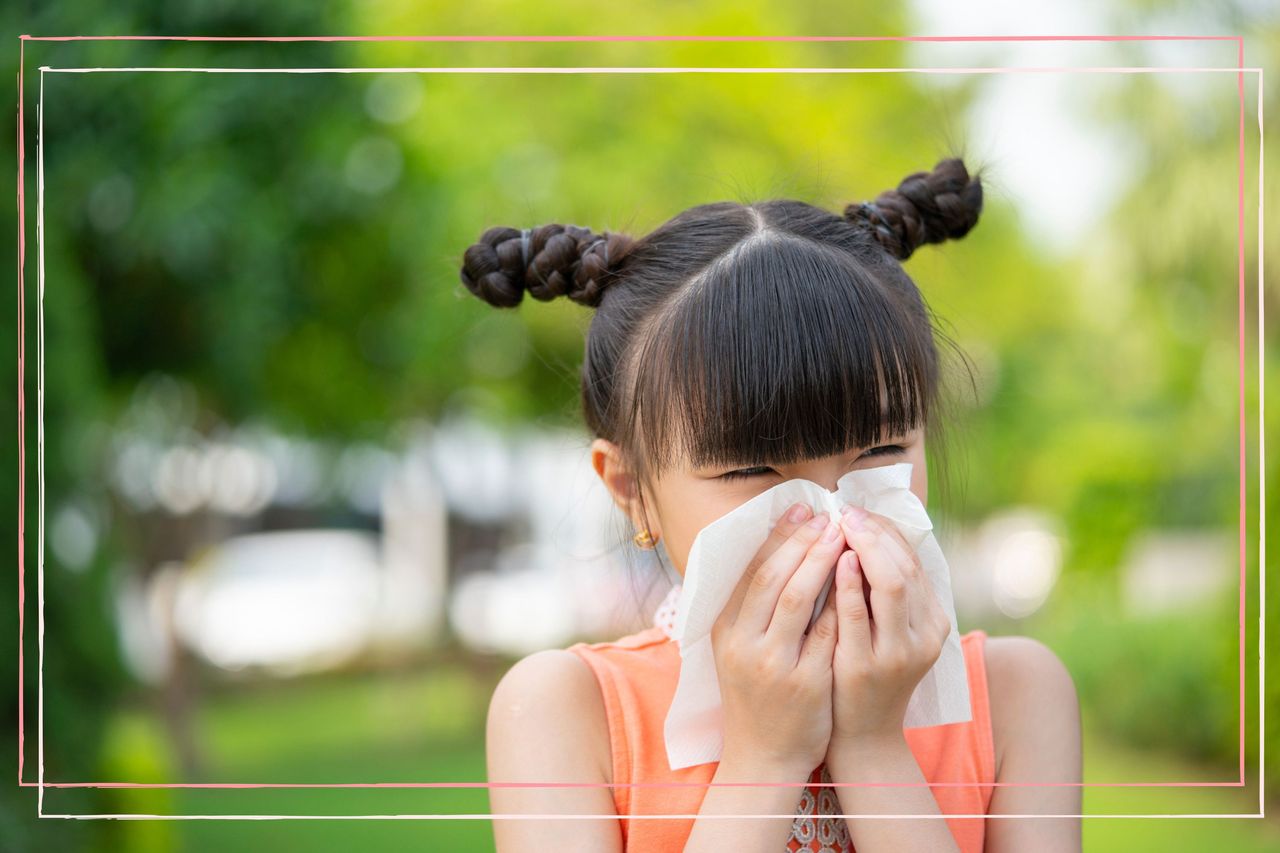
[[547, 261], [927, 207]]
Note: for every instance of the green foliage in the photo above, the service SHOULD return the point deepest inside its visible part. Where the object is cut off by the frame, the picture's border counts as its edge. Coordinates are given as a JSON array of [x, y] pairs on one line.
[[1159, 682]]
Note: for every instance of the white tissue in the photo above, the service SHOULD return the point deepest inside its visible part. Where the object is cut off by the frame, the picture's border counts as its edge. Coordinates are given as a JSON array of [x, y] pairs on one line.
[[717, 560]]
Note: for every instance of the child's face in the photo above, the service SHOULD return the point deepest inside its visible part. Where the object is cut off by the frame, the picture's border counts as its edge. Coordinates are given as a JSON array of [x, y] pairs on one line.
[[685, 500]]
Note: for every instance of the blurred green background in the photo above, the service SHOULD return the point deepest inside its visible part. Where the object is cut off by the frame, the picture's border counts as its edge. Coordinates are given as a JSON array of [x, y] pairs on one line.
[[281, 251]]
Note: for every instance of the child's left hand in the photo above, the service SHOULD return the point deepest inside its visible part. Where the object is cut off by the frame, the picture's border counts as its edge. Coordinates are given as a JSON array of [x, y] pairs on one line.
[[884, 646]]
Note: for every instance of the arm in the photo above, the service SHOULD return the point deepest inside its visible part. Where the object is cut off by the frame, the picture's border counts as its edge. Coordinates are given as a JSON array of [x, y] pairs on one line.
[[1035, 720], [760, 835], [547, 723], [888, 760]]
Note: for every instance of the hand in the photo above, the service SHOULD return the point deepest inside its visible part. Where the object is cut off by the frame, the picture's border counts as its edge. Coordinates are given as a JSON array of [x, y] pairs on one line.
[[891, 630], [776, 680]]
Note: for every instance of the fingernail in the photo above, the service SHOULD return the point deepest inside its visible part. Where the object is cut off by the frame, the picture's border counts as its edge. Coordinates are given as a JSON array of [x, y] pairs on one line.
[[833, 531], [819, 521], [854, 516], [797, 513]]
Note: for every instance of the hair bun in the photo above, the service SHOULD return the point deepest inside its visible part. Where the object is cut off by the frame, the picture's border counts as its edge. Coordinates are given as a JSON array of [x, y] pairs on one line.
[[927, 207], [547, 261]]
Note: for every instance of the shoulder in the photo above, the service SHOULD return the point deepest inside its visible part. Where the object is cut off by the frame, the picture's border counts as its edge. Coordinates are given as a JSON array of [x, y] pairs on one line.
[[1035, 722], [546, 724], [542, 714], [1018, 665], [1030, 689]]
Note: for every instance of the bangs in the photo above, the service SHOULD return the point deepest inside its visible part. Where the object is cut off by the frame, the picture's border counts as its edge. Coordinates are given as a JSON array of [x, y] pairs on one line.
[[790, 352]]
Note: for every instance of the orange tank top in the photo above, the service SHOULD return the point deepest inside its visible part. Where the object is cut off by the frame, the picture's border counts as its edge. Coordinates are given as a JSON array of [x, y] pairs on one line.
[[637, 676]]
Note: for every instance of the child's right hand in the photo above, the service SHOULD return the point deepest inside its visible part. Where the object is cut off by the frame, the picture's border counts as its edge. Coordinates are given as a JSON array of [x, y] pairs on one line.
[[775, 680]]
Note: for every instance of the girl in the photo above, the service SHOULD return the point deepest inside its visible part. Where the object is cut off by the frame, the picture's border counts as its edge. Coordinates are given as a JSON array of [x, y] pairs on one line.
[[733, 348]]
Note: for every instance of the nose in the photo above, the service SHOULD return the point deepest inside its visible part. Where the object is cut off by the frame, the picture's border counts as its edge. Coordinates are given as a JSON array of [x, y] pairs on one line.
[[825, 473]]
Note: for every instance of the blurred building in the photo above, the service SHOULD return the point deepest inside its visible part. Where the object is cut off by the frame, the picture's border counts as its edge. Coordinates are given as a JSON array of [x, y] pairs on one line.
[[276, 553]]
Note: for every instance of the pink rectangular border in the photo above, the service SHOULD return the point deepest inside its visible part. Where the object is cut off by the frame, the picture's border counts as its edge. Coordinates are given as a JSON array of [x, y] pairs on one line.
[[534, 38]]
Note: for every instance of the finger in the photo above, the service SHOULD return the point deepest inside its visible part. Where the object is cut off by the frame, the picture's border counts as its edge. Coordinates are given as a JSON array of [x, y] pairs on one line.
[[904, 557], [794, 609], [937, 618], [785, 526], [919, 589], [926, 615], [888, 525], [941, 627], [761, 591], [791, 521], [854, 618], [821, 639], [827, 590], [889, 589]]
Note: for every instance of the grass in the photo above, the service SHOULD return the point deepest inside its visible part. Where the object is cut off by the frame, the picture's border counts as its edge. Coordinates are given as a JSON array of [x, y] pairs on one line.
[[1107, 760]]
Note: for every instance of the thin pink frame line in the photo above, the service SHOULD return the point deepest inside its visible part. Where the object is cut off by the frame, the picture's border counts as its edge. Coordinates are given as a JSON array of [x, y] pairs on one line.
[[1243, 450], [22, 443], [641, 38], [657, 69], [801, 39], [220, 785], [579, 816]]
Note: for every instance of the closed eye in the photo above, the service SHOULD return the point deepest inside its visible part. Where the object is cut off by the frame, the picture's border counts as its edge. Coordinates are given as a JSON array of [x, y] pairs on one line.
[[761, 470]]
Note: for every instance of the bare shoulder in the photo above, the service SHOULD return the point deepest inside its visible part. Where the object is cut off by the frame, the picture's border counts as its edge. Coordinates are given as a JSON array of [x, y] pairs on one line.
[[1029, 688], [547, 723], [551, 697], [1035, 723]]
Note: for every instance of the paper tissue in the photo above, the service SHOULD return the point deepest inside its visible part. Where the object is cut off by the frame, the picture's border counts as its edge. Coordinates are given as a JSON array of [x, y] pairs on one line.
[[719, 556]]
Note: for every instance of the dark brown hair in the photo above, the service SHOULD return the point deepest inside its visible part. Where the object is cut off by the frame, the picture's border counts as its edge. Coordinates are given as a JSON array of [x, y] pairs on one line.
[[749, 334]]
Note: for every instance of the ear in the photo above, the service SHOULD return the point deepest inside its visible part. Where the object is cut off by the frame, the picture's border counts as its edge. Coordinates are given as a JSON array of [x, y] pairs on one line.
[[621, 482]]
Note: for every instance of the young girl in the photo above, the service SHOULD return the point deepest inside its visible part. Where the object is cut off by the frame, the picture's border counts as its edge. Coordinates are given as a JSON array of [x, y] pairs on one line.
[[734, 348]]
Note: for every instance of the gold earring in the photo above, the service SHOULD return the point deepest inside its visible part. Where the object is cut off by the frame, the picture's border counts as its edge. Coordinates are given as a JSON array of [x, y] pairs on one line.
[[644, 539]]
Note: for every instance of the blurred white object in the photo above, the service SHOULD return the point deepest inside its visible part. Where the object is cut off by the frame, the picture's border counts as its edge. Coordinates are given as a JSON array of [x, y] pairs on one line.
[[568, 579], [1023, 548], [1009, 564], [1025, 567], [1169, 570], [414, 556], [517, 609], [473, 462], [292, 601]]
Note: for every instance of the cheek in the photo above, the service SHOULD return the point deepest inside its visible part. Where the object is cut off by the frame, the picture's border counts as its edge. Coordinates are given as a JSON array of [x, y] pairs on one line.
[[678, 543], [686, 507], [679, 533]]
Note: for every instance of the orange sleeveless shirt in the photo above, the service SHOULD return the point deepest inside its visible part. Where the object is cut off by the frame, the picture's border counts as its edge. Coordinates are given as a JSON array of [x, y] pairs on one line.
[[637, 676]]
